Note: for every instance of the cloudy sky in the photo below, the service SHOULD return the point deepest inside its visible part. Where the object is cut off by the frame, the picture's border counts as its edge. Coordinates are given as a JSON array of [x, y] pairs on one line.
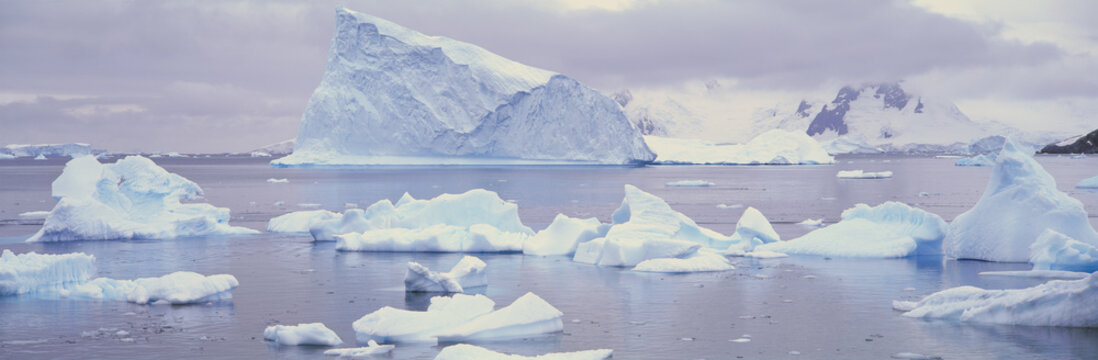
[[219, 76]]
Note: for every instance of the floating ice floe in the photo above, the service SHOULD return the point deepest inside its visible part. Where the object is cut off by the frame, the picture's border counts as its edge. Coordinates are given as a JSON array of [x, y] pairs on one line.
[[978, 160], [43, 150], [1054, 303], [181, 287], [259, 154], [435, 238], [645, 227], [40, 157], [775, 147], [1056, 251], [34, 214], [701, 261], [298, 221], [1038, 274], [371, 348], [1021, 201], [278, 181], [529, 315], [302, 334], [1088, 183], [690, 183], [470, 272], [753, 229], [564, 235], [860, 174], [392, 325], [130, 199], [811, 222], [467, 352], [28, 272], [888, 230]]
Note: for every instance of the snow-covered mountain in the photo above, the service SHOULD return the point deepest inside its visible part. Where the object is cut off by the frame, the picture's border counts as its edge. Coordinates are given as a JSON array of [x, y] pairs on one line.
[[1082, 144], [394, 95]]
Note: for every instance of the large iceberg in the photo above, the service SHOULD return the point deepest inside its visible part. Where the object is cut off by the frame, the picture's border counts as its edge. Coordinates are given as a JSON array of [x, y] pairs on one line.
[[467, 352], [1021, 201], [1055, 251], [25, 273], [130, 199], [470, 272], [302, 334], [391, 95], [888, 230], [861, 174], [180, 287], [777, 147], [1055, 303], [47, 150], [392, 325], [564, 235]]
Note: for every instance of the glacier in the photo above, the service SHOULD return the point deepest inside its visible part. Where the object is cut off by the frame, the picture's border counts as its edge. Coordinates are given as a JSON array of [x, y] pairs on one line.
[[391, 95], [1020, 201], [887, 230], [469, 272], [1056, 251], [774, 147], [130, 199], [48, 150], [466, 352], [1055, 303], [28, 272], [302, 334]]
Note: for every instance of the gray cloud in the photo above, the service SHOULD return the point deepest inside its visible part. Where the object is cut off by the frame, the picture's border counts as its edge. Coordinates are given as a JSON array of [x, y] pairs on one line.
[[233, 75]]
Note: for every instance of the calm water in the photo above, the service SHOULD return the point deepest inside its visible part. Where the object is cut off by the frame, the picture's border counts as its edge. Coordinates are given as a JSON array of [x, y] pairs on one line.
[[823, 309]]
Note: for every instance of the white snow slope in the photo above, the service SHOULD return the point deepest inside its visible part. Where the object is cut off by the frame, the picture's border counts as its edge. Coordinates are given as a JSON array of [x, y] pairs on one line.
[[391, 95]]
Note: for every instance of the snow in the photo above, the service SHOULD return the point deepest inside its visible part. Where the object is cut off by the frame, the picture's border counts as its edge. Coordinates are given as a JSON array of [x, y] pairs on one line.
[[27, 272], [564, 235], [302, 334], [277, 181], [753, 229], [181, 287], [859, 174], [1021, 201], [527, 316], [468, 352], [690, 183], [371, 348], [1088, 183], [469, 272], [978, 160], [777, 147], [887, 230], [1056, 251], [298, 221], [698, 262], [1054, 303], [47, 150], [280, 148], [392, 325], [391, 95], [130, 199]]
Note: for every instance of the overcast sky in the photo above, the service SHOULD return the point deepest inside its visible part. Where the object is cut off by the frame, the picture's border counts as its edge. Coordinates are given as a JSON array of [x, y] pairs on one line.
[[219, 76]]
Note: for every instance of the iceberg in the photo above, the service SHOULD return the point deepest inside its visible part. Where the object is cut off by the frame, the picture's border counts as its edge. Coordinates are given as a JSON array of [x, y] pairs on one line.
[[811, 222], [435, 238], [28, 272], [327, 228], [391, 325], [700, 261], [859, 174], [371, 348], [181, 287], [298, 221], [302, 334], [529, 315], [1021, 201], [48, 150], [753, 229], [391, 95], [468, 273], [978, 160], [1054, 303], [887, 230], [277, 181], [1088, 183], [774, 147], [130, 199], [690, 183], [563, 236], [1056, 251], [466, 352]]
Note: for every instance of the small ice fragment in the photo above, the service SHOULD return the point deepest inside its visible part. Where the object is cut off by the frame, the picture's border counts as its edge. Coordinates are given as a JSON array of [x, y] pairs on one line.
[[308, 205], [726, 206], [121, 333], [740, 340], [690, 183], [277, 181]]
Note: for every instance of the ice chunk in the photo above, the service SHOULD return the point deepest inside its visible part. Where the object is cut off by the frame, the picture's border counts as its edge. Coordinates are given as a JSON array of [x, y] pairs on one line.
[[298, 221], [260, 154], [27, 272], [436, 238], [277, 181], [1055, 251], [130, 199], [978, 160], [690, 183], [564, 235], [391, 95], [753, 229], [778, 147], [181, 287], [698, 262], [371, 348], [891, 229], [1038, 274], [389, 325], [529, 315], [1055, 303], [34, 214], [859, 174], [467, 352], [302, 334], [470, 272], [1021, 201], [811, 222], [1088, 183]]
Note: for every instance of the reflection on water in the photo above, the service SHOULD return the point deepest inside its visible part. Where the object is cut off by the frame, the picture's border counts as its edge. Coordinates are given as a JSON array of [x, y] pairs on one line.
[[821, 308]]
